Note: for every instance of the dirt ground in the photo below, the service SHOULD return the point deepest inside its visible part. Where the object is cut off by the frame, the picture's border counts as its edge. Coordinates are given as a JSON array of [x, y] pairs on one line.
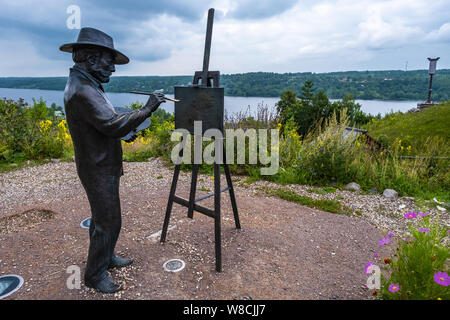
[[283, 251]]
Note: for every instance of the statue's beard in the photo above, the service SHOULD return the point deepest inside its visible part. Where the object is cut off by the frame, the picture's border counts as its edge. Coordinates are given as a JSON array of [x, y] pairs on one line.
[[100, 74]]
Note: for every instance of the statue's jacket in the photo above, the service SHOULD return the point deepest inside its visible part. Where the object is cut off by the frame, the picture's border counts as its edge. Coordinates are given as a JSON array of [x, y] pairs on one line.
[[95, 127]]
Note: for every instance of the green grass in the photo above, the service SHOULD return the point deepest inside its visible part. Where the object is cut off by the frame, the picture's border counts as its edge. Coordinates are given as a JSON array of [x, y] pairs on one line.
[[413, 128], [332, 206], [19, 164], [324, 190]]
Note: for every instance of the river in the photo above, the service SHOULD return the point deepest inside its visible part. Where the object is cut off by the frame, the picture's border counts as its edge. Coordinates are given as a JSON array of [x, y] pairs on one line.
[[232, 104]]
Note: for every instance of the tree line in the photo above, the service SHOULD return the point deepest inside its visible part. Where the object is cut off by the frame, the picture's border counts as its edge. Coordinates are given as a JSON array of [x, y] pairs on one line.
[[369, 85]]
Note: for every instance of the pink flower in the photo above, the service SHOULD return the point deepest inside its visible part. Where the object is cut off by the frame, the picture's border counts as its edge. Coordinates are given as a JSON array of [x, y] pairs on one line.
[[410, 215], [368, 269], [390, 234], [423, 214], [384, 241], [409, 240], [425, 230], [394, 288], [375, 255], [442, 278]]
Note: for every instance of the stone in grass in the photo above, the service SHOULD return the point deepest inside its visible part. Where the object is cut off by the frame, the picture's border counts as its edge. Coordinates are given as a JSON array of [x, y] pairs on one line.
[[353, 186], [390, 194]]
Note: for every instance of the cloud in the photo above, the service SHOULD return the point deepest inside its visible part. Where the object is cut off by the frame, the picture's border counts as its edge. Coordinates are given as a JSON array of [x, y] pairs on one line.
[[257, 9], [167, 37], [440, 35]]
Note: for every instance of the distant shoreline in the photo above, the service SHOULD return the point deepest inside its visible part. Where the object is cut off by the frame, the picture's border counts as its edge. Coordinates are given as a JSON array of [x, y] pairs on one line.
[[390, 85], [232, 103]]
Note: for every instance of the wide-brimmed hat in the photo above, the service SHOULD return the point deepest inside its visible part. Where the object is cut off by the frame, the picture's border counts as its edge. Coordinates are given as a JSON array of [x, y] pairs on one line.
[[94, 37]]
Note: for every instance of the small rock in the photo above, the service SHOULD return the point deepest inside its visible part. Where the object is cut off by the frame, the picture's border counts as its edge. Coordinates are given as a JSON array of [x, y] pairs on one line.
[[54, 160], [390, 194], [352, 186]]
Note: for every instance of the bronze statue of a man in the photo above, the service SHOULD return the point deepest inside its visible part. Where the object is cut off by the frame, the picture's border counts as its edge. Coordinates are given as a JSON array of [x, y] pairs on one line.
[[96, 130]]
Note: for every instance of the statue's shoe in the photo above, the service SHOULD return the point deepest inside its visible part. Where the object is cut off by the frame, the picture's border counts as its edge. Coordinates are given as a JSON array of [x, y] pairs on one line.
[[106, 285], [118, 262]]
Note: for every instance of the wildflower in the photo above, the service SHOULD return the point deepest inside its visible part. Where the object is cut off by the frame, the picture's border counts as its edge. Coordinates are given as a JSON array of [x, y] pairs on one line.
[[423, 214], [442, 278], [387, 260], [384, 241], [374, 292], [390, 234], [320, 149], [409, 240], [394, 288], [424, 230], [410, 215], [212, 178], [368, 269], [375, 255]]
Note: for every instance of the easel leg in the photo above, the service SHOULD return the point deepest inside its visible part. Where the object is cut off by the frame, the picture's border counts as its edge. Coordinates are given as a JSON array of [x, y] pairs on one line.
[[193, 189], [232, 197], [217, 229], [170, 202]]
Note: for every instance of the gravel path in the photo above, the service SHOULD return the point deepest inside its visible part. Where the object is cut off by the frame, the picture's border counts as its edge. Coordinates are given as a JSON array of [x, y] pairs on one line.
[[284, 250]]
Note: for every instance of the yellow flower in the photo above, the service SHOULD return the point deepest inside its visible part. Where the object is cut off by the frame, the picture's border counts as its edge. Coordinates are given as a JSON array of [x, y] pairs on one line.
[[212, 178], [44, 126], [62, 124]]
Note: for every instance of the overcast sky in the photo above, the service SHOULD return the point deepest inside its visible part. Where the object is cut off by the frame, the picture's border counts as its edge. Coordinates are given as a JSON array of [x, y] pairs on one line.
[[166, 37]]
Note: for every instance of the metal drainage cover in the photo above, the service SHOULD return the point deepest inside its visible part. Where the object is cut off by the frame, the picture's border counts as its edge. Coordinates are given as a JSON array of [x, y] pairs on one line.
[[174, 265], [85, 223], [9, 284]]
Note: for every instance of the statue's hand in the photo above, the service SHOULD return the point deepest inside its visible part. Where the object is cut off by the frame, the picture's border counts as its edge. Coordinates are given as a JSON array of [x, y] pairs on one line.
[[155, 100]]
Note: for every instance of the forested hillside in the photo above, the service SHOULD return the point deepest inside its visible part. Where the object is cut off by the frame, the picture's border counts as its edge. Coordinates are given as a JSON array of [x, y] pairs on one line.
[[380, 85]]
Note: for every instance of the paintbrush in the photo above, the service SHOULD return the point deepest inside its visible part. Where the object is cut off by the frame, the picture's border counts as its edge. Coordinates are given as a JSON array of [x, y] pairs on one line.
[[150, 94]]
